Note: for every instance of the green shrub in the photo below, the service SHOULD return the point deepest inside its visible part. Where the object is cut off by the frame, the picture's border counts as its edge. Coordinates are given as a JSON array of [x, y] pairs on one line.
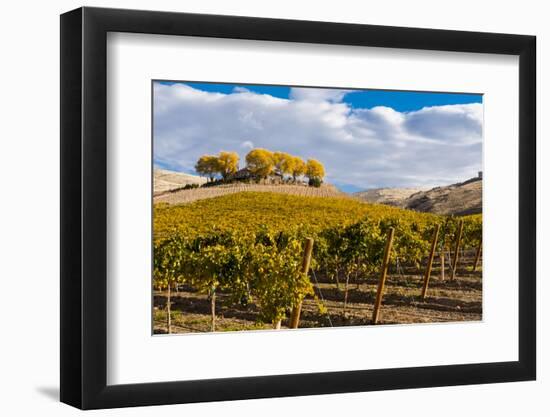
[[315, 182]]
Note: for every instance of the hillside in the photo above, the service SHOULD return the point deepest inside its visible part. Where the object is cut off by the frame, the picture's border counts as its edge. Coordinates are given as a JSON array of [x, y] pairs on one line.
[[189, 196], [258, 239], [459, 199], [389, 196], [164, 180], [253, 210]]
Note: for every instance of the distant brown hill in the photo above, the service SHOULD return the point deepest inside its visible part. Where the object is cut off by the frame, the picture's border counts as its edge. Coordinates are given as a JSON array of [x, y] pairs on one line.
[[390, 196], [458, 199], [164, 180]]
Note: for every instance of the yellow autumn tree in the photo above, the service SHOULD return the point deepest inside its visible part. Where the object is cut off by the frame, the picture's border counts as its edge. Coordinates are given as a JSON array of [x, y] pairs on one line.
[[228, 163], [260, 162], [315, 171], [298, 167], [208, 166], [283, 163]]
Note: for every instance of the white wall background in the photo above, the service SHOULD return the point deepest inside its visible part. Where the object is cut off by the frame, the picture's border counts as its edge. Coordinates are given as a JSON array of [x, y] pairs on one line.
[[29, 211]]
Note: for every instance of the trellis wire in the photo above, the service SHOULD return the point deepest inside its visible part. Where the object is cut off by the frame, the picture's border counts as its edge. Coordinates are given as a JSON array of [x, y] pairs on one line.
[[321, 295]]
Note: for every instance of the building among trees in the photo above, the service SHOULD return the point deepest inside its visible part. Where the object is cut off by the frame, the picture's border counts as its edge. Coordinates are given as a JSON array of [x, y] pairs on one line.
[[261, 165]]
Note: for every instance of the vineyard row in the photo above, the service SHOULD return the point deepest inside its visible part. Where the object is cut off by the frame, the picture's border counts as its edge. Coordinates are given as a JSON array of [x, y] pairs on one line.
[[270, 267]]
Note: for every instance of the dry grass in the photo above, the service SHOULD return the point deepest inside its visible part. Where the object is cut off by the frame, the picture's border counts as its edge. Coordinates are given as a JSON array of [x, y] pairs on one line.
[[188, 196], [165, 181], [459, 199]]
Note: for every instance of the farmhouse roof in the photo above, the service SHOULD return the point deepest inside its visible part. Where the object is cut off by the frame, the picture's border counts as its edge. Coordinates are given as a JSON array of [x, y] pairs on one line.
[[241, 173]]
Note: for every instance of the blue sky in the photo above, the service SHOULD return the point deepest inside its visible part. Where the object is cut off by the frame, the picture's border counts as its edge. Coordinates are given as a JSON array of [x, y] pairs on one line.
[[402, 101], [366, 138]]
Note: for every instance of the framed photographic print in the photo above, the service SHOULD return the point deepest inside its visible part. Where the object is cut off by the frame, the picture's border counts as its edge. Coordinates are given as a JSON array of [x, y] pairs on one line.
[[258, 207]]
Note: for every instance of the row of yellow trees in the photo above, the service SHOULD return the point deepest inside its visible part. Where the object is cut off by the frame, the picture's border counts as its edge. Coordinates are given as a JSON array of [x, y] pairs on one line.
[[261, 163]]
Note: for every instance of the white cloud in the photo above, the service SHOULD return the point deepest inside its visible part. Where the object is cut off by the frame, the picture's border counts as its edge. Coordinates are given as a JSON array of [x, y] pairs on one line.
[[239, 89], [366, 148], [247, 145], [317, 94]]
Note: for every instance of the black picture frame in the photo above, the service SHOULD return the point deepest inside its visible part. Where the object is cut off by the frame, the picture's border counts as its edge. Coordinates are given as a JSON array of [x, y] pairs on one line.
[[84, 207]]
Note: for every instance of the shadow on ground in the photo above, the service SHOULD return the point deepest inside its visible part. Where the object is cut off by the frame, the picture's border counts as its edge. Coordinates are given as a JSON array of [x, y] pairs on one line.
[[49, 392]]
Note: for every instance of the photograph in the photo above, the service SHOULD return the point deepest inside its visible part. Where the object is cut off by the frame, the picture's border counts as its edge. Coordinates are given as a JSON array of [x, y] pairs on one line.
[[284, 207]]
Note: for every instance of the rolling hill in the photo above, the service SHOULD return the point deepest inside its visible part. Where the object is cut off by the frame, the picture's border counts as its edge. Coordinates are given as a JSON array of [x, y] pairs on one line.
[[253, 210], [389, 196], [189, 196], [459, 199], [165, 181]]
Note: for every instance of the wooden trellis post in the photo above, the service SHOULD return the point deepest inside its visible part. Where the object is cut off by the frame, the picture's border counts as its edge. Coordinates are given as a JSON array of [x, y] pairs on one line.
[[478, 254], [168, 310], [213, 308], [306, 261], [442, 256], [457, 247], [430, 262], [383, 274], [442, 272]]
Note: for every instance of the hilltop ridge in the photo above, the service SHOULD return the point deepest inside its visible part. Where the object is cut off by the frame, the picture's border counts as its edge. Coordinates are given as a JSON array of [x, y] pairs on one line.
[[460, 199], [166, 181]]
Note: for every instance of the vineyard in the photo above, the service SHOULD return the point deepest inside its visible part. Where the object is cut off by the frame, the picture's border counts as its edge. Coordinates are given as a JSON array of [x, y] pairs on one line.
[[257, 260], [189, 196]]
